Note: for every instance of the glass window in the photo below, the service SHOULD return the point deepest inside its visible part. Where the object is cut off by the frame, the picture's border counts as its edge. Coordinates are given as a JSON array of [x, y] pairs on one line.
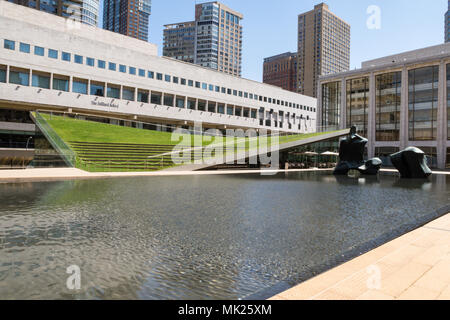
[[180, 102], [132, 70], [448, 109], [78, 59], [2, 74], [358, 104], [79, 86], [211, 106], [387, 101], [168, 100], [234, 92], [141, 73], [90, 62], [101, 64], [9, 44], [66, 56], [112, 66], [122, 68], [331, 105], [183, 82], [167, 78], [155, 98], [128, 94], [253, 114], [113, 92], [211, 87], [175, 79], [191, 103], [224, 90], [150, 74], [97, 89], [39, 51], [159, 76], [52, 54], [423, 102], [204, 86], [221, 108], [201, 105], [142, 96], [229, 110], [24, 47], [60, 83], [19, 77], [40, 81], [190, 83]]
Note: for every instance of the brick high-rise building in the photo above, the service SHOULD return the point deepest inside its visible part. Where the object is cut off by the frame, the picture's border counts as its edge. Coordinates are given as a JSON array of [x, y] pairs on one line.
[[281, 71], [128, 17], [179, 41], [85, 11], [323, 47], [218, 38]]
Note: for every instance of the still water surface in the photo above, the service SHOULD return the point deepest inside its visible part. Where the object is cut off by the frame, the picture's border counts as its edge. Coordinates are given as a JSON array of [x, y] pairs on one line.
[[198, 237]]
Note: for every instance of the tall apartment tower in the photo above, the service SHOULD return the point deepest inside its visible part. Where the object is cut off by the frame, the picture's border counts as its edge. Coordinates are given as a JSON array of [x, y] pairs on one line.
[[281, 71], [179, 41], [323, 47], [85, 11], [447, 24], [217, 42], [128, 17]]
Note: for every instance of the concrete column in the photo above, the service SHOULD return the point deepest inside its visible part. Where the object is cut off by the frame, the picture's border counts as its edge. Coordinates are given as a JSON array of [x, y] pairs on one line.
[[404, 125], [343, 123], [442, 117], [216, 106], [88, 86], [162, 98], [7, 74], [120, 94], [71, 84], [135, 94], [196, 104], [371, 127], [30, 76], [319, 123], [185, 102], [51, 81]]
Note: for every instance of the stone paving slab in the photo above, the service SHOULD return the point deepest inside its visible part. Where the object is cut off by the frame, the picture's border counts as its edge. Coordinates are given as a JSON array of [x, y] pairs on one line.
[[415, 266]]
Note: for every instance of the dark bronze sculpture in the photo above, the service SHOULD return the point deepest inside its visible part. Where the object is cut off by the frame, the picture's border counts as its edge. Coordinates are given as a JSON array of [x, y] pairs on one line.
[[351, 156], [411, 163]]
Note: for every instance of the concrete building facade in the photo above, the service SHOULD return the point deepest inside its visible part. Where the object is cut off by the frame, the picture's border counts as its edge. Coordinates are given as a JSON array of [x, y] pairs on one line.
[[217, 42], [323, 47], [85, 11], [128, 17], [92, 71], [396, 102], [447, 24], [281, 71]]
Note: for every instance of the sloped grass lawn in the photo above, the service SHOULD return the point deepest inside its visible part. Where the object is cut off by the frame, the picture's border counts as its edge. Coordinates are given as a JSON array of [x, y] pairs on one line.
[[71, 130]]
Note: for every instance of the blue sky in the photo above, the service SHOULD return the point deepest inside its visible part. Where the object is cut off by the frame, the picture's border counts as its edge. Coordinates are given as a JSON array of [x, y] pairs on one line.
[[270, 27]]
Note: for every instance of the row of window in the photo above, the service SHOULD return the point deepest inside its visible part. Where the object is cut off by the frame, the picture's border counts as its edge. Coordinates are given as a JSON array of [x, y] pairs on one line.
[[66, 56]]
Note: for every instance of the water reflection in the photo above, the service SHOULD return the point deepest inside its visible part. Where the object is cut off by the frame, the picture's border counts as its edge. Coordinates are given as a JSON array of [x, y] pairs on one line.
[[198, 237]]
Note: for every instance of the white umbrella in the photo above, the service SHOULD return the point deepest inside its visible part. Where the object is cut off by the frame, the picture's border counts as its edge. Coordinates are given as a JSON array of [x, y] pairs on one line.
[[309, 153], [329, 153]]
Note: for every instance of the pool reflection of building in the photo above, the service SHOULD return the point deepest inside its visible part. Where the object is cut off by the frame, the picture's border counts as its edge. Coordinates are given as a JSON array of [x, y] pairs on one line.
[[395, 101]]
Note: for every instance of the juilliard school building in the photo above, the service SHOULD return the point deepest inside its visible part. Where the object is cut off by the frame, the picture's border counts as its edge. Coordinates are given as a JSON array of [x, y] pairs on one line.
[[396, 101], [52, 63]]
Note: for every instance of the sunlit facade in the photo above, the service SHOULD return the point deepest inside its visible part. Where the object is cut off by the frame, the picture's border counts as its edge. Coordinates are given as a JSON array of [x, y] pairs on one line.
[[396, 102]]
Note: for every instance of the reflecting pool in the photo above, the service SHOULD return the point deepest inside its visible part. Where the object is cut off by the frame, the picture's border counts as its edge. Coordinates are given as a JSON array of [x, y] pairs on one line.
[[199, 237]]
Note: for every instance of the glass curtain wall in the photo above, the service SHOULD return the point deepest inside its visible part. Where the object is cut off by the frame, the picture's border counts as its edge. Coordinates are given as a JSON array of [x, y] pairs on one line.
[[388, 101], [358, 104], [331, 104], [423, 103]]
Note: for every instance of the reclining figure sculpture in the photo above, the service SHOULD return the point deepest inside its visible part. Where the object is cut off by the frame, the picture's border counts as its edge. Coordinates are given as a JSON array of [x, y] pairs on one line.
[[351, 156], [411, 163]]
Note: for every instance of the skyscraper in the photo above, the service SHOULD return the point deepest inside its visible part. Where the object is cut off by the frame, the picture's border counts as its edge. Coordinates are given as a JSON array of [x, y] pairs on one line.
[[447, 24], [281, 71], [128, 17], [85, 11], [179, 41], [323, 47], [217, 41]]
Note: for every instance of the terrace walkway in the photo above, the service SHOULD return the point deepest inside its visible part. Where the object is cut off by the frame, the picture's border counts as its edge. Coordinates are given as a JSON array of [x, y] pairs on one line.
[[415, 266]]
